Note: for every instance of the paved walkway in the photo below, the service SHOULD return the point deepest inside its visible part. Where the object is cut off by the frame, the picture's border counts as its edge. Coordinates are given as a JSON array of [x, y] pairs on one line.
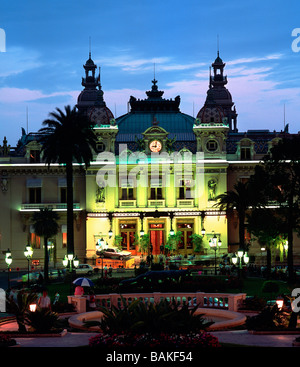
[[241, 337], [77, 339]]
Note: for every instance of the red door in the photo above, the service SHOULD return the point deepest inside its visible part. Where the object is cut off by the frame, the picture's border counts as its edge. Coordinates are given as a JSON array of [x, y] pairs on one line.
[[156, 238]]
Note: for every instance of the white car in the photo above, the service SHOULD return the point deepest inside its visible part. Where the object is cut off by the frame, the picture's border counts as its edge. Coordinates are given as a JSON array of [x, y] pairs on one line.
[[114, 253], [84, 269]]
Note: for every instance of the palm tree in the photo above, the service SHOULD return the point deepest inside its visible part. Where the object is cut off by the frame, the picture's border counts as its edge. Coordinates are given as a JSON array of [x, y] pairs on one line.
[[268, 228], [240, 199], [68, 137], [45, 225], [282, 166]]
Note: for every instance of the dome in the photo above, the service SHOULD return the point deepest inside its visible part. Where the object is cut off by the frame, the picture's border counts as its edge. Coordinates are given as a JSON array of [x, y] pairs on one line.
[[221, 95], [100, 115], [88, 95], [209, 114]]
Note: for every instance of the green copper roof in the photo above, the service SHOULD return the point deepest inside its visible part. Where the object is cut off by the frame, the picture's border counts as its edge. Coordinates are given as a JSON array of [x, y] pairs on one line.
[[172, 122]]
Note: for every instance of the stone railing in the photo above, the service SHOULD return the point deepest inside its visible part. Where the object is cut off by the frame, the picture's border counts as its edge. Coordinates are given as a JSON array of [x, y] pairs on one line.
[[225, 301]]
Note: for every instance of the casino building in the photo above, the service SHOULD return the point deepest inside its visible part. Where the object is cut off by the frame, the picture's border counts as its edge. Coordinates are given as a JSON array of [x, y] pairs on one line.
[[156, 170]]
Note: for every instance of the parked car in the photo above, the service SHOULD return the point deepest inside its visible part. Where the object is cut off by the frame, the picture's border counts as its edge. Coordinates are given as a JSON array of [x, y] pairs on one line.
[[84, 269], [115, 253]]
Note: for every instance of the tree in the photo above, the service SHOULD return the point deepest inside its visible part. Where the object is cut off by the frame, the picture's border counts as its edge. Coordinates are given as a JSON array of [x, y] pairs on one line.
[[68, 137], [240, 199], [20, 307], [144, 242], [268, 228], [45, 225], [173, 241], [282, 166], [197, 242]]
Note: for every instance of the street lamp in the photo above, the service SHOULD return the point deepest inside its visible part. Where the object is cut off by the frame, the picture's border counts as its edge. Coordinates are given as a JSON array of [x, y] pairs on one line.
[[214, 244], [279, 303], [8, 260], [242, 257], [71, 262], [28, 252], [100, 247], [142, 232]]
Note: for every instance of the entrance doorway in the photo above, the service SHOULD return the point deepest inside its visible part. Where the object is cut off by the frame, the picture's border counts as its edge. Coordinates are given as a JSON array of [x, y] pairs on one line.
[[157, 239]]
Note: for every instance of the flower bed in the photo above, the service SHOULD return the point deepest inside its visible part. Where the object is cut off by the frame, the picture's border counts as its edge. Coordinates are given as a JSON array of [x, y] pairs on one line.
[[160, 341]]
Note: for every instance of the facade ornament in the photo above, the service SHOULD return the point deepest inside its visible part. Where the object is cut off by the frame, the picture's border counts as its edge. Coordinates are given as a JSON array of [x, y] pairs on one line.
[[212, 186]]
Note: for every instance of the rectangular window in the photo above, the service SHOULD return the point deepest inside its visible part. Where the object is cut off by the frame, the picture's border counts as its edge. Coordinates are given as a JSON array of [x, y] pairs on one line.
[[35, 195], [126, 187], [156, 193], [35, 241], [64, 240], [185, 189], [127, 193], [245, 153]]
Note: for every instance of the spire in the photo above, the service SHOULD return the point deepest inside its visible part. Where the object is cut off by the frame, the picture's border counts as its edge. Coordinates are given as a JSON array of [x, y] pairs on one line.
[[90, 81]]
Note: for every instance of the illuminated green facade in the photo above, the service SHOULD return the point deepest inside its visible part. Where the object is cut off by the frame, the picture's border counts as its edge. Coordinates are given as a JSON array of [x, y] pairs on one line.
[[156, 169]]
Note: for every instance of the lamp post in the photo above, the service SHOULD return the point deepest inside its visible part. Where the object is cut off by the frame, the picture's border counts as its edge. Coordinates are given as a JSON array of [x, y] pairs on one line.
[[214, 244], [142, 232], [8, 260], [241, 257], [28, 252], [100, 246], [70, 262]]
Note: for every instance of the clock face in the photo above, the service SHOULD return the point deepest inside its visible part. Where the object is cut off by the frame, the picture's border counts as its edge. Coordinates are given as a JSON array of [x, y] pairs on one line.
[[155, 146]]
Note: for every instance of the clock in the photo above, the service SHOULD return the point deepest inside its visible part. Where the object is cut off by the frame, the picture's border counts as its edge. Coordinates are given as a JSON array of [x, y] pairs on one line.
[[155, 146]]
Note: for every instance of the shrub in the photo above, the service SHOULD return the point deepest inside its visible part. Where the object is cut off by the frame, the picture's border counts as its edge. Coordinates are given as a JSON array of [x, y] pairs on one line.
[[20, 306], [254, 303], [162, 317], [270, 318], [42, 320]]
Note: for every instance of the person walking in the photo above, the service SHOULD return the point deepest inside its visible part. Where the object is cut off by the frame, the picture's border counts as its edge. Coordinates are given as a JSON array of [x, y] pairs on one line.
[[44, 301]]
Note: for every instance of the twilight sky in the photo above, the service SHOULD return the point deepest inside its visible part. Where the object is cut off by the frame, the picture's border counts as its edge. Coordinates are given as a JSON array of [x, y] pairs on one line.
[[47, 42]]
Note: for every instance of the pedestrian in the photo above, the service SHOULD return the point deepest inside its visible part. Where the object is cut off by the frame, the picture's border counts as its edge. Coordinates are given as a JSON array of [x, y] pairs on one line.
[[44, 301], [105, 271], [110, 271], [92, 300], [79, 291], [56, 298]]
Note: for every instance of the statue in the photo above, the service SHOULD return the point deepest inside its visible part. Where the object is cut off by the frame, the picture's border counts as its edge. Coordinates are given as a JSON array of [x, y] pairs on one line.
[[212, 185], [100, 198]]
